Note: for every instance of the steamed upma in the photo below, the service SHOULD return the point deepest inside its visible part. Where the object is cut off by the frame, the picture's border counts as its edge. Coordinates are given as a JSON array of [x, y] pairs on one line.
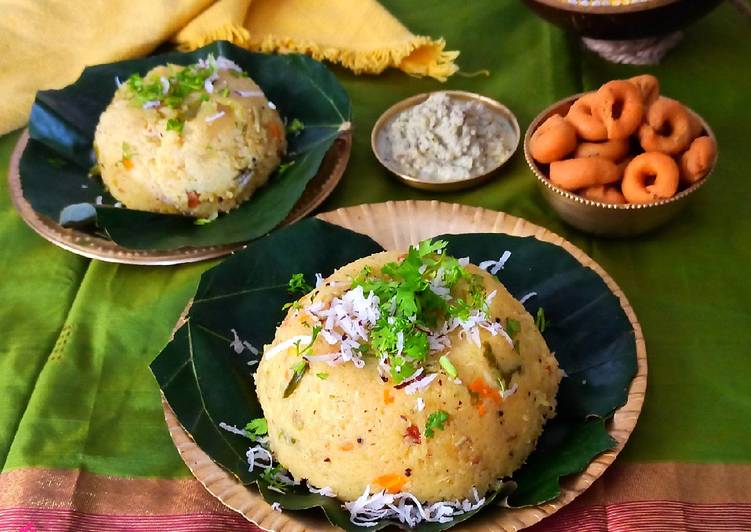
[[195, 140], [406, 373]]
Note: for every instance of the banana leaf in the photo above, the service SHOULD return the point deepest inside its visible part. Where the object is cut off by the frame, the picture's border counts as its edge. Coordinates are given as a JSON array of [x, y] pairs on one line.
[[55, 165], [206, 382]]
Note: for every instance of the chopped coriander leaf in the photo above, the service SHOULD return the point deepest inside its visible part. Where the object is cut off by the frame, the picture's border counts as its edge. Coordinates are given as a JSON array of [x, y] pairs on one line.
[[283, 167], [57, 162], [436, 420], [298, 285], [174, 124], [415, 296], [309, 347], [513, 327], [298, 371], [322, 375], [295, 305], [271, 477], [295, 126], [256, 427], [447, 366], [540, 321], [127, 151]]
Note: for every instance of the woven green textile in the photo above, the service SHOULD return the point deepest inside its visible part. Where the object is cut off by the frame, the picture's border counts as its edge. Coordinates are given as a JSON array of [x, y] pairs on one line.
[[77, 335]]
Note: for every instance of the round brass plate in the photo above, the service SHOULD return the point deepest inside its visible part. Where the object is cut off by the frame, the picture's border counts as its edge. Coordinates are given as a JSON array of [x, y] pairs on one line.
[[378, 141], [396, 225], [320, 186]]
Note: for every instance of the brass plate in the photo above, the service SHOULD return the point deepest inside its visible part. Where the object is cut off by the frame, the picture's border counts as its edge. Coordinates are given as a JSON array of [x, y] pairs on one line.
[[320, 186], [607, 219], [395, 225], [377, 141]]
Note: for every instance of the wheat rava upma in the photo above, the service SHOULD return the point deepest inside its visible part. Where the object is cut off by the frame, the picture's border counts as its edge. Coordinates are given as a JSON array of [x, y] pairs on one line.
[[409, 373], [195, 140]]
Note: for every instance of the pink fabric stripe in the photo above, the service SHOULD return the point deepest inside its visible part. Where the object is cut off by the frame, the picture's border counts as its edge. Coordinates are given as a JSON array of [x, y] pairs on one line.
[[646, 516], [649, 516]]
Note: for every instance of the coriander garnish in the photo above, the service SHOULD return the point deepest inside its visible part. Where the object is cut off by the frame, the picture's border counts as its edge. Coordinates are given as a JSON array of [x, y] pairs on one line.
[[540, 321], [415, 297], [295, 126], [436, 420], [256, 427], [298, 285], [447, 366]]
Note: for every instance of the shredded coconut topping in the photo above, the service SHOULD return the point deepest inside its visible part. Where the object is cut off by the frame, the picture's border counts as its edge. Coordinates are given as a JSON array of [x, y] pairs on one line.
[[346, 322], [213, 117], [248, 94], [233, 429], [165, 84], [370, 508], [527, 297], [325, 491], [238, 346], [494, 266]]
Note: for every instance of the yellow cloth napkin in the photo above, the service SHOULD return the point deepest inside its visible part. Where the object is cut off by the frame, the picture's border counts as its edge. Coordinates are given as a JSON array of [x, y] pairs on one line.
[[45, 44]]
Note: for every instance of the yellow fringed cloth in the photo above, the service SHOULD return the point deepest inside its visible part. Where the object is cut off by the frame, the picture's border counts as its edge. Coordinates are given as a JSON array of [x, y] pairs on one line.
[[45, 44]]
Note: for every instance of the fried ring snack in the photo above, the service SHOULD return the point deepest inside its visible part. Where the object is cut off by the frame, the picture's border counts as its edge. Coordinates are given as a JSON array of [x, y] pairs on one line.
[[698, 159], [603, 194], [588, 125], [667, 128], [620, 107], [553, 140], [649, 177], [648, 86], [583, 172], [615, 150]]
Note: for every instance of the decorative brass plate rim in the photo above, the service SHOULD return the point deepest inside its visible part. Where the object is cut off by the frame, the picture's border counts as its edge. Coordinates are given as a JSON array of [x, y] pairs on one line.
[[543, 179], [606, 9], [94, 247], [394, 225], [454, 184]]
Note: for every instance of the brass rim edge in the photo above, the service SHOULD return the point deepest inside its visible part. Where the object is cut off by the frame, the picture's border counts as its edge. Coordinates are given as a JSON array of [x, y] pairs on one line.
[[230, 491], [606, 10]]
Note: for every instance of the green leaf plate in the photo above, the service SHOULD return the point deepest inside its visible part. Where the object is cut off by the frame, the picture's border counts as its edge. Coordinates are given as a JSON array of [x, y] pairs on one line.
[[591, 329], [53, 167]]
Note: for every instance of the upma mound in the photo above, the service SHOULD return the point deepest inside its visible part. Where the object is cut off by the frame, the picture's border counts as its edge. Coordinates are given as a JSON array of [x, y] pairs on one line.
[[195, 140], [409, 373]]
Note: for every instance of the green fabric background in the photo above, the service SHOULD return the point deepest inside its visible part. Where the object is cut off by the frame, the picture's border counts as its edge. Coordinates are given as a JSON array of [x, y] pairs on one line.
[[77, 335]]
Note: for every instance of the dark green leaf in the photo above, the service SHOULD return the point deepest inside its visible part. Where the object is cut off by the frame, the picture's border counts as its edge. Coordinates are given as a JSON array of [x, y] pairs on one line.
[[62, 129], [588, 331]]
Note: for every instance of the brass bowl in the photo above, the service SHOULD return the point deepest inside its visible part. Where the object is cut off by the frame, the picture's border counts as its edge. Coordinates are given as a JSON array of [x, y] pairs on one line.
[[378, 141], [607, 219], [625, 21]]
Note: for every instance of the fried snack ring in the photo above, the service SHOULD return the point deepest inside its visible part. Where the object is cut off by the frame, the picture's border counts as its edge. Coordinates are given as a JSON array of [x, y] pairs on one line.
[[697, 160], [603, 194], [583, 172], [649, 177], [588, 125], [615, 150], [620, 107], [553, 140], [667, 127], [648, 86]]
